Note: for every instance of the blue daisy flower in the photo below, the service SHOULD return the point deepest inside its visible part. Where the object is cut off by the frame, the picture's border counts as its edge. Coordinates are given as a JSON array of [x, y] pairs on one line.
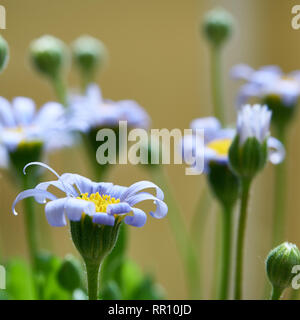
[[103, 202]]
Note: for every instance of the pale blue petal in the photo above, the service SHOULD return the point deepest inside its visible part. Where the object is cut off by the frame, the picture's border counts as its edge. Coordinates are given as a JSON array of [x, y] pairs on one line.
[[276, 150], [161, 207], [49, 114], [103, 218], [6, 113], [241, 71], [32, 193], [138, 219], [24, 110], [75, 207], [55, 212], [139, 186], [118, 208]]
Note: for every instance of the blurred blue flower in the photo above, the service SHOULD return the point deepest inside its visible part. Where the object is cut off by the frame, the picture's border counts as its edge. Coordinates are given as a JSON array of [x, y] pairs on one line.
[[267, 81], [104, 202], [217, 141], [21, 123], [92, 111]]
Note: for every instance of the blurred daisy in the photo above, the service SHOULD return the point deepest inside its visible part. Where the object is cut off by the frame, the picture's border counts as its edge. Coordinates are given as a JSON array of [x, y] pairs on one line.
[[217, 141], [268, 81], [103, 202], [91, 111], [22, 125]]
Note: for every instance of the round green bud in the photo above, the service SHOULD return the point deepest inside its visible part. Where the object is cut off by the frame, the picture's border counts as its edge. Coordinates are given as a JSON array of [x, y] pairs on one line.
[[279, 265], [217, 26], [89, 54], [248, 159], [48, 55], [4, 53]]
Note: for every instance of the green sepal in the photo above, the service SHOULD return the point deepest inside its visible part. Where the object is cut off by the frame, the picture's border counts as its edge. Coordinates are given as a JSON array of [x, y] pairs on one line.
[[93, 241], [248, 159]]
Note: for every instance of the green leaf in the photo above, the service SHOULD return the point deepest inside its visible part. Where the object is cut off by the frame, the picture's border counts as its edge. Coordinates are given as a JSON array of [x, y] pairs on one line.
[[69, 275], [111, 291], [19, 280]]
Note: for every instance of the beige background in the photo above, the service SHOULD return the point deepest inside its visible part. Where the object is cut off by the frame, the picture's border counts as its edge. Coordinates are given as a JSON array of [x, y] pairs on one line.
[[158, 58]]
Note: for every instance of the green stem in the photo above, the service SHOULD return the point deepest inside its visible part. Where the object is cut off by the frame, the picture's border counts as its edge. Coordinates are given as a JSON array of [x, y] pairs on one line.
[[279, 195], [216, 83], [245, 184], [199, 221], [181, 235], [60, 90], [276, 293], [30, 222], [226, 254], [200, 216], [92, 270]]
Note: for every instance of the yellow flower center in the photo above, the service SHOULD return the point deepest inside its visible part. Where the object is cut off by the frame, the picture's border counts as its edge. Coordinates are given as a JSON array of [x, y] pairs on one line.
[[101, 202], [221, 146]]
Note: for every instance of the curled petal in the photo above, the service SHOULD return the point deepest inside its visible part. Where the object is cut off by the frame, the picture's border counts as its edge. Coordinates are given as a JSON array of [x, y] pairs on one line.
[[139, 186], [118, 208], [55, 213], [276, 150], [67, 189], [138, 219], [103, 218], [46, 185], [161, 207], [32, 193]]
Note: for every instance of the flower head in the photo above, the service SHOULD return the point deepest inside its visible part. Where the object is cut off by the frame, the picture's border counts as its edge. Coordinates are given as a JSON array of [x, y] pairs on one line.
[[91, 111], [271, 87], [253, 122], [21, 125], [252, 145], [217, 140], [103, 202]]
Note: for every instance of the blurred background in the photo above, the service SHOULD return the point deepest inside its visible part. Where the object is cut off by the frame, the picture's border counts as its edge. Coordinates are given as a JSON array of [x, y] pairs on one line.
[[159, 58]]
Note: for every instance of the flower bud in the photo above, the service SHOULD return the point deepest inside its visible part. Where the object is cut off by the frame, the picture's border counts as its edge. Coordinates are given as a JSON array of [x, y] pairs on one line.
[[224, 183], [93, 241], [279, 265], [89, 55], [217, 26], [4, 53], [249, 152], [48, 55]]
